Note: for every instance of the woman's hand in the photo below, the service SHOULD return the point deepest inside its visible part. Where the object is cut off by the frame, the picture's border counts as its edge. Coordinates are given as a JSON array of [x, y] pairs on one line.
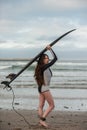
[[48, 47]]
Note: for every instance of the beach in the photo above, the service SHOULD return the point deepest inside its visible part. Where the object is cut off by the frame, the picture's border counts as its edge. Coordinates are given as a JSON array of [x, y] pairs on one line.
[[57, 120], [69, 90]]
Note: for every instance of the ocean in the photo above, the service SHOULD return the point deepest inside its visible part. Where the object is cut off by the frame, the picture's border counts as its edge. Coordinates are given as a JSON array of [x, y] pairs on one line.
[[68, 85]]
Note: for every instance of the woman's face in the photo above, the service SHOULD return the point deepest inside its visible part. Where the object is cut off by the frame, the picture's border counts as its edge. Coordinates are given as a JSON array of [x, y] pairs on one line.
[[46, 59]]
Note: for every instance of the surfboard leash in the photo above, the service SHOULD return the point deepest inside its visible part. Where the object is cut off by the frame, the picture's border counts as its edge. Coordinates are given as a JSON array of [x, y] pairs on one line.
[[13, 100]]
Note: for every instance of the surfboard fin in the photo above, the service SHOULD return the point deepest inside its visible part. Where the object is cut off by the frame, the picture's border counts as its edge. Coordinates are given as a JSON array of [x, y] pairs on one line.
[[6, 83], [11, 76]]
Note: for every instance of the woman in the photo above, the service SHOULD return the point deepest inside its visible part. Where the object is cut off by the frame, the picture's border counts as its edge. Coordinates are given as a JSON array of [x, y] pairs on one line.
[[43, 76]]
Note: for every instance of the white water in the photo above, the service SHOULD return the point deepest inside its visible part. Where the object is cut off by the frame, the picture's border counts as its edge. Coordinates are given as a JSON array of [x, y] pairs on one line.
[[68, 86]]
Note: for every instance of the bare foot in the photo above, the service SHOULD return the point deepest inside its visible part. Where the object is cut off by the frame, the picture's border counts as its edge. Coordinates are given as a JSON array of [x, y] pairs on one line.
[[43, 123]]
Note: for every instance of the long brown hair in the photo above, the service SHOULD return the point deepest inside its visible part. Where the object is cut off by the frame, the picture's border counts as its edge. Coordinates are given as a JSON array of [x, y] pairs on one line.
[[38, 70]]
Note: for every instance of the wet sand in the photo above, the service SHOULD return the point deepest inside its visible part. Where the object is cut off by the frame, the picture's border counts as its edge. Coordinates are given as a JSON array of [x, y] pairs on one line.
[[57, 120]]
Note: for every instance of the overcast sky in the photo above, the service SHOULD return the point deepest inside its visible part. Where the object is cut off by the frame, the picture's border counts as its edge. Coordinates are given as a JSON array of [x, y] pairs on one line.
[[27, 26]]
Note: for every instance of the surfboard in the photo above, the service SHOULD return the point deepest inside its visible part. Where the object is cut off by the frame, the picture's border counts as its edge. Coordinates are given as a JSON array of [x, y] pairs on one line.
[[7, 83]]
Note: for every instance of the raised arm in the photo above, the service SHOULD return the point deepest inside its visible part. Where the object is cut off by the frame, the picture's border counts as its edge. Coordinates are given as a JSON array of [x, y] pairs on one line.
[[52, 61]]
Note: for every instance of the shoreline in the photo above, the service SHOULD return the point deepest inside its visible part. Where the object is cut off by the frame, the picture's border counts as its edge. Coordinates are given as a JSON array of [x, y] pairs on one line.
[[57, 120], [59, 86], [65, 99], [27, 59]]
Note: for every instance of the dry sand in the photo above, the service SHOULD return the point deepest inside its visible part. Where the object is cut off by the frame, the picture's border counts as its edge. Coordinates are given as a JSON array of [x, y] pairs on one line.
[[9, 120]]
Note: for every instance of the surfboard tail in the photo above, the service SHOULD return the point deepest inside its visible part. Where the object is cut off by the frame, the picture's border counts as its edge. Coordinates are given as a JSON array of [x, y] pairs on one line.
[[6, 83]]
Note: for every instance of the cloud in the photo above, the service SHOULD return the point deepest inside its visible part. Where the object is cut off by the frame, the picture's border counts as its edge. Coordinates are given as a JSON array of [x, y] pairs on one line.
[[14, 45], [63, 4], [75, 40], [34, 30], [20, 8], [26, 24], [19, 45], [40, 34]]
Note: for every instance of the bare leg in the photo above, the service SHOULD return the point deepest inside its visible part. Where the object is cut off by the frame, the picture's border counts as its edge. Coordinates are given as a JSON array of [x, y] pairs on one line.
[[40, 109], [49, 99], [41, 105]]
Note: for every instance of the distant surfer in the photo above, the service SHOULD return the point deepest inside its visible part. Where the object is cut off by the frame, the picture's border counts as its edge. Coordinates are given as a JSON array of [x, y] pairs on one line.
[[43, 76]]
